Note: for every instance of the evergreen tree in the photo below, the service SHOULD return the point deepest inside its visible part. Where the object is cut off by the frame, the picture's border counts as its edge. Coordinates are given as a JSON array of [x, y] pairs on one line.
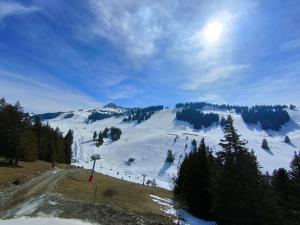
[[193, 183], [295, 182], [170, 157], [281, 184], [100, 139], [105, 132], [94, 135], [240, 198], [115, 133], [68, 141], [28, 146], [287, 139], [200, 200], [265, 144], [194, 144]]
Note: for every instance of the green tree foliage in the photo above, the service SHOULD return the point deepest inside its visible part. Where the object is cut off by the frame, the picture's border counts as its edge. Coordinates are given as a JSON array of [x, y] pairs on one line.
[[68, 141], [170, 157], [194, 144], [240, 196], [295, 189], [20, 139], [265, 144], [270, 117], [229, 188], [105, 132], [100, 140], [196, 118], [115, 133], [193, 184], [142, 114], [287, 139], [94, 135]]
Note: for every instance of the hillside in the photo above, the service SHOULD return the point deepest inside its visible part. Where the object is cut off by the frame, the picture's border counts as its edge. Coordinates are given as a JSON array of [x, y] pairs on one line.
[[148, 142]]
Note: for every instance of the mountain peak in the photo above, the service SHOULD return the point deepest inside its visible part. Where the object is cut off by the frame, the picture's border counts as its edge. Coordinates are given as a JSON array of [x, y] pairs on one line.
[[111, 105]]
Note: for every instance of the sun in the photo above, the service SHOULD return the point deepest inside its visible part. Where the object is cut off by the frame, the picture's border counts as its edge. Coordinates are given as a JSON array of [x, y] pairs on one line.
[[212, 31]]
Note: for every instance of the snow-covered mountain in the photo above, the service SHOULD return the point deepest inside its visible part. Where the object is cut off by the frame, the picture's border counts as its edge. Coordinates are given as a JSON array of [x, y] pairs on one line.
[[148, 142]]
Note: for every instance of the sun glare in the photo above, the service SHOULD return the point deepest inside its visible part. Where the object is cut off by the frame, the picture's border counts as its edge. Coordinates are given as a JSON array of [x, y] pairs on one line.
[[213, 31]]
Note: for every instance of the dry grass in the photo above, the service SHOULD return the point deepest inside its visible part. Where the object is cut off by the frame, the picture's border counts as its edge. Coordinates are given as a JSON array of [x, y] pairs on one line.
[[25, 171], [132, 197]]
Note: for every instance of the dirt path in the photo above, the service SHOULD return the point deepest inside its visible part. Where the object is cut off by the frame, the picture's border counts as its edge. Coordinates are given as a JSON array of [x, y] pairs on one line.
[[33, 189], [39, 197]]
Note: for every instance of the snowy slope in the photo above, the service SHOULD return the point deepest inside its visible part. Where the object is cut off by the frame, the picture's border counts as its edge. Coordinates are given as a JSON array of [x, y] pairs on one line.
[[149, 141]]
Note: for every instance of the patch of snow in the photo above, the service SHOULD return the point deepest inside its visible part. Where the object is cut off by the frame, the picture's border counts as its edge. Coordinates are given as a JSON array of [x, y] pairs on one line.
[[180, 216]]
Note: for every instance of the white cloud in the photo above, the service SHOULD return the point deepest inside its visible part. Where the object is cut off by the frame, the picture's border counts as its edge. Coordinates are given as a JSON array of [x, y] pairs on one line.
[[134, 26], [14, 8], [291, 44], [38, 96], [213, 75], [122, 92]]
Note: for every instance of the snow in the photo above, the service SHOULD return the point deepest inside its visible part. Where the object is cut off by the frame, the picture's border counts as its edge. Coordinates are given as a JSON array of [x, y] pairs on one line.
[[149, 141], [179, 216], [43, 221]]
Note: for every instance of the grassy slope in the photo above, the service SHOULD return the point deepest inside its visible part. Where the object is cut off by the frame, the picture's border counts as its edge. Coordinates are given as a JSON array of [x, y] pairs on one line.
[[25, 171], [133, 198]]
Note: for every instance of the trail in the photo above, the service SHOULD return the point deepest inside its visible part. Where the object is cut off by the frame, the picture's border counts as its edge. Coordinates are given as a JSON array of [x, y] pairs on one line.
[[31, 194]]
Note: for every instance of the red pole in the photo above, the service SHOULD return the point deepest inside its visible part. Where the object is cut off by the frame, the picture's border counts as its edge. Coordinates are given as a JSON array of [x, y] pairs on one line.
[[92, 174]]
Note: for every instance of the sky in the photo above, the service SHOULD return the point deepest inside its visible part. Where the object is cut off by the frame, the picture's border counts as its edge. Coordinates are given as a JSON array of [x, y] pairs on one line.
[[60, 55]]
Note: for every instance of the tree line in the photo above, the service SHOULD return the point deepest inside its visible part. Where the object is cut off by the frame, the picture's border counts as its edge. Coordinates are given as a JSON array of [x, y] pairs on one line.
[[230, 189], [196, 118], [24, 139], [269, 116], [141, 114]]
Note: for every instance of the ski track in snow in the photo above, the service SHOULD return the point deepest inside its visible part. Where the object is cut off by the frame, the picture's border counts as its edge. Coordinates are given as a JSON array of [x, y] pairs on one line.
[[149, 141]]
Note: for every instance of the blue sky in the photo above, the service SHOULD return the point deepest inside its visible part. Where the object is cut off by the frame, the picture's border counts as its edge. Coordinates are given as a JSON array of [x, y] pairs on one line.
[[62, 55]]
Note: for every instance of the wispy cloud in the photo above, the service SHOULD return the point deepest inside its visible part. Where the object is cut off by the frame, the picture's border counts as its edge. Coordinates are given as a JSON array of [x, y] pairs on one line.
[[293, 44], [122, 92], [213, 75], [37, 96], [9, 8], [128, 24]]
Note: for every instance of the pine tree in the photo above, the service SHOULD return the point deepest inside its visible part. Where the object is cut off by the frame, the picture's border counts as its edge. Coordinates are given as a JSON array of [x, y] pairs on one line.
[[94, 135], [179, 181], [193, 183], [281, 184], [68, 141], [100, 139], [287, 139], [265, 144], [194, 144], [170, 157], [295, 182], [200, 201], [240, 198], [28, 146]]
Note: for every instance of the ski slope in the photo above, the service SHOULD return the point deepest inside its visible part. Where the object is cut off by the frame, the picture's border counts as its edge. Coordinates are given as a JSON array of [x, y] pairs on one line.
[[149, 141]]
